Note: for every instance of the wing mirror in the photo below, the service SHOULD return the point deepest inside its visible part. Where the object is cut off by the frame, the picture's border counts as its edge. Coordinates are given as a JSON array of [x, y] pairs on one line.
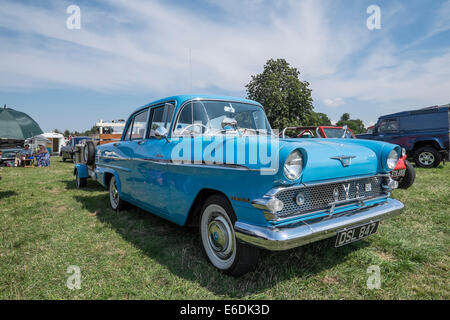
[[345, 127], [161, 132], [229, 122]]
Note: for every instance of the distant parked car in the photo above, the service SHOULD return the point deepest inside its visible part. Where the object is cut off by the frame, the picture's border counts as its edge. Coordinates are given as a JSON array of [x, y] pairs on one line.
[[67, 151], [424, 133], [239, 198], [404, 172], [7, 156]]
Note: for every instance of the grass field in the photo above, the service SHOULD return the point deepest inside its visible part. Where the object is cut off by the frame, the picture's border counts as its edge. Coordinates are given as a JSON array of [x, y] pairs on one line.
[[47, 225]]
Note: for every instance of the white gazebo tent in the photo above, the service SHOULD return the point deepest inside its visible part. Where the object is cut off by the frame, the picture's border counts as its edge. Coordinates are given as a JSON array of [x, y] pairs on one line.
[[52, 141]]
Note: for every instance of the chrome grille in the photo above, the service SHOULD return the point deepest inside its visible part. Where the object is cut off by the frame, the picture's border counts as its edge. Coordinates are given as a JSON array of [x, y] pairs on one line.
[[320, 197]]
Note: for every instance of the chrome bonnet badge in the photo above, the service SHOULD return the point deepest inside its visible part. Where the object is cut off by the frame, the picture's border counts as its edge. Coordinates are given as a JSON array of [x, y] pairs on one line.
[[345, 160]]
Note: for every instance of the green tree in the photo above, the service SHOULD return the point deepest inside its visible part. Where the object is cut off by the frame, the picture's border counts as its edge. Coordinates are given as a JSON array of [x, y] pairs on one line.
[[356, 125], [345, 117], [66, 133], [318, 119], [287, 100]]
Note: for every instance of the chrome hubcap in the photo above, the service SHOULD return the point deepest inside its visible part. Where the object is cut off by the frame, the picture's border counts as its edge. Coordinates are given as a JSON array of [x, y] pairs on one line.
[[219, 237], [426, 158], [114, 193]]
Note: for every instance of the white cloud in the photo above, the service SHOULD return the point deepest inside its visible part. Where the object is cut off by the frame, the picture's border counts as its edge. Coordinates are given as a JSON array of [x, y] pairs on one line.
[[153, 54], [334, 102], [144, 46]]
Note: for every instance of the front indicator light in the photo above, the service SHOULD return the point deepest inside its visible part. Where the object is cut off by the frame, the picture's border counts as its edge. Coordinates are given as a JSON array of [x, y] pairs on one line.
[[390, 184], [275, 205]]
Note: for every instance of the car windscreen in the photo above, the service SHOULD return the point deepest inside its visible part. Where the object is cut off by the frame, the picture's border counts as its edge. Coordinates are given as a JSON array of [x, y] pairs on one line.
[[208, 116], [337, 133]]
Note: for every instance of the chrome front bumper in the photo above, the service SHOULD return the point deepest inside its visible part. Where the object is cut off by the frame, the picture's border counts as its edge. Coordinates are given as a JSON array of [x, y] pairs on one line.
[[304, 232]]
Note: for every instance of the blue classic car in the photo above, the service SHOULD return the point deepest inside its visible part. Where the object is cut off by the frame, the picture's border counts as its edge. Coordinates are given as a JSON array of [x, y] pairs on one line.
[[214, 162]]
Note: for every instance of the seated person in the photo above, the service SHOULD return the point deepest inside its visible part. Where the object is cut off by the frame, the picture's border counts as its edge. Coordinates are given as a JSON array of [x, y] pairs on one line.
[[42, 157], [23, 154], [26, 151]]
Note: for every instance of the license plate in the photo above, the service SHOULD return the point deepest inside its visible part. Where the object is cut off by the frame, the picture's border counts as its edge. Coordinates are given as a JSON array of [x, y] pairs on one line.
[[398, 173], [347, 236]]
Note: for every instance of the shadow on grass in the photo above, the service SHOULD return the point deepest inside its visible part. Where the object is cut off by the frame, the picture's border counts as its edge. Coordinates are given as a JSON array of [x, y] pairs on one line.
[[6, 194], [91, 185], [180, 250]]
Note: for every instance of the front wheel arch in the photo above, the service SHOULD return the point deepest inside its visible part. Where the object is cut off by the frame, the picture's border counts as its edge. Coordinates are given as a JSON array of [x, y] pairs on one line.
[[193, 219]]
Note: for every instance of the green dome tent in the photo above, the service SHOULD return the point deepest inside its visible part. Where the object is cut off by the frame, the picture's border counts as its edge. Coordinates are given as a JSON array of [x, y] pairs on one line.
[[16, 125]]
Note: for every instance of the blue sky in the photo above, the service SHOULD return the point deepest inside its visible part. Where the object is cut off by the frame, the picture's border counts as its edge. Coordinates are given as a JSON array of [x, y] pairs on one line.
[[130, 52]]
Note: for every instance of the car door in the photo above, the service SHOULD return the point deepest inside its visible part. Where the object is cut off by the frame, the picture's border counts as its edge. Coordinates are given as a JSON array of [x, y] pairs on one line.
[[150, 169], [127, 161]]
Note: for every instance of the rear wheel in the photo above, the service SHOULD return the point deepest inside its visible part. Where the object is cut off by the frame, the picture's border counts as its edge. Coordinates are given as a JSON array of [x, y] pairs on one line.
[[114, 197], [427, 157], [80, 182], [219, 240], [408, 179]]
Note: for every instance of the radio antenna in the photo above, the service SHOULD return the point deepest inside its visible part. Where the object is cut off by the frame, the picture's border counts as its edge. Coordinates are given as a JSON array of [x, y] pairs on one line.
[[190, 70]]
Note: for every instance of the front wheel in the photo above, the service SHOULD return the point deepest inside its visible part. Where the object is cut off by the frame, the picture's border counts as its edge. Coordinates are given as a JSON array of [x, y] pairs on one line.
[[410, 176], [219, 240]]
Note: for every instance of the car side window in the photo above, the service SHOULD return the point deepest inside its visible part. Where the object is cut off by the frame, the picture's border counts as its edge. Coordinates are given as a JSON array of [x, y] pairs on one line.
[[157, 120], [139, 126], [388, 125], [161, 117], [193, 113], [130, 127], [184, 119]]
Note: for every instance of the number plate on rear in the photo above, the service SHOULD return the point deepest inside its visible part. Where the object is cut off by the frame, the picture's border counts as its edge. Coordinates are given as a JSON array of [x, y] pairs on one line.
[[347, 236]]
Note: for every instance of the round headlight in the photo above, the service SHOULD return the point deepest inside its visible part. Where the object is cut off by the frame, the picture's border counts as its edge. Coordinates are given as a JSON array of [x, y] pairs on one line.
[[293, 165], [392, 160]]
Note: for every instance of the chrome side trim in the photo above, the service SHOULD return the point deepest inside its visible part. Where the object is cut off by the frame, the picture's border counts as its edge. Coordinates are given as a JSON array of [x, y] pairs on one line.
[[113, 167], [206, 165], [301, 233]]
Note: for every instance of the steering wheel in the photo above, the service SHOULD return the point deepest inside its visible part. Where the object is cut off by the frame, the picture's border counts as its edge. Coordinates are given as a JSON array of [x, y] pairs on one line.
[[193, 125], [303, 132], [250, 129]]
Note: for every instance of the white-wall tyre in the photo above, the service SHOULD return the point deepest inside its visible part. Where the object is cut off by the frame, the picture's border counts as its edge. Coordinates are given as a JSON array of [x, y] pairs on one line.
[[219, 239], [114, 197]]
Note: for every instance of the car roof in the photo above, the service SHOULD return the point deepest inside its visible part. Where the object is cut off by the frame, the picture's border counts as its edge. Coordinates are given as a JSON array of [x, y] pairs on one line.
[[11, 149], [180, 99], [417, 111]]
